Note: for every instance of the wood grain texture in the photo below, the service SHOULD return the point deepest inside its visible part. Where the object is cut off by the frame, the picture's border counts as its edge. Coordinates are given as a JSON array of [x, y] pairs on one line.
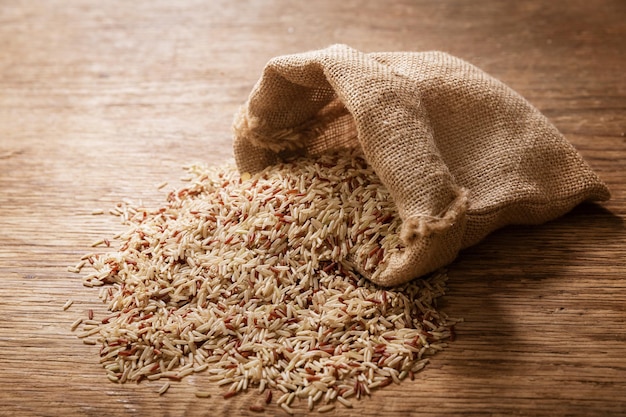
[[101, 101]]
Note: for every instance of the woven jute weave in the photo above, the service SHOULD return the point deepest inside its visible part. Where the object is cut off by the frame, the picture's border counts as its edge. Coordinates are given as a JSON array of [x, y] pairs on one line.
[[461, 153]]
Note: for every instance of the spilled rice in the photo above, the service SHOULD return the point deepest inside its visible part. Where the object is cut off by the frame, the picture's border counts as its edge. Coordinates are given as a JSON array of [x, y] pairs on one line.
[[258, 281]]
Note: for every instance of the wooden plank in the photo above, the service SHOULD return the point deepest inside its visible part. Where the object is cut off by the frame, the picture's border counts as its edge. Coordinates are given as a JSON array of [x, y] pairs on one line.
[[100, 102]]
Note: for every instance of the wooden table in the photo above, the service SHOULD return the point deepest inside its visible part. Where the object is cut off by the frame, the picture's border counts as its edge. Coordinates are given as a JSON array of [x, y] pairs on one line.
[[101, 101]]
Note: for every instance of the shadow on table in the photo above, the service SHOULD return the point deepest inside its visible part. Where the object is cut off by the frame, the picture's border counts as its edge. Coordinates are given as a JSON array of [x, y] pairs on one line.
[[506, 287]]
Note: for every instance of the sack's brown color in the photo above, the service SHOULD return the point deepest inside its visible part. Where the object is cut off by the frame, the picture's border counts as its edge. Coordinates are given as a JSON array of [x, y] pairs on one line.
[[460, 152]]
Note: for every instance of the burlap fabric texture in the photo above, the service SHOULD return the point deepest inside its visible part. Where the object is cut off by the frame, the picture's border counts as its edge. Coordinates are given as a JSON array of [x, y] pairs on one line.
[[461, 153]]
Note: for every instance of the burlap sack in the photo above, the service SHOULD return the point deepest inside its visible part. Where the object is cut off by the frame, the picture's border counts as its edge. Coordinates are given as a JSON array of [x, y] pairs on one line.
[[460, 152]]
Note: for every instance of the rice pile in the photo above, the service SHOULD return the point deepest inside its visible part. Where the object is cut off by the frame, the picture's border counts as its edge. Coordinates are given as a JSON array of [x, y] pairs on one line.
[[259, 280]]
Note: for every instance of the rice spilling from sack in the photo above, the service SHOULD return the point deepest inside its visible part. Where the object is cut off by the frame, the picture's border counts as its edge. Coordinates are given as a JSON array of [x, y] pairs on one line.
[[259, 281]]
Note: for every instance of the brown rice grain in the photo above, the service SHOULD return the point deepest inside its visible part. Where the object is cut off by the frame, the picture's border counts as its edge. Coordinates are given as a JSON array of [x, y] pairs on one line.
[[287, 409], [261, 281], [76, 323], [282, 398], [97, 243], [318, 396], [164, 388], [345, 402]]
